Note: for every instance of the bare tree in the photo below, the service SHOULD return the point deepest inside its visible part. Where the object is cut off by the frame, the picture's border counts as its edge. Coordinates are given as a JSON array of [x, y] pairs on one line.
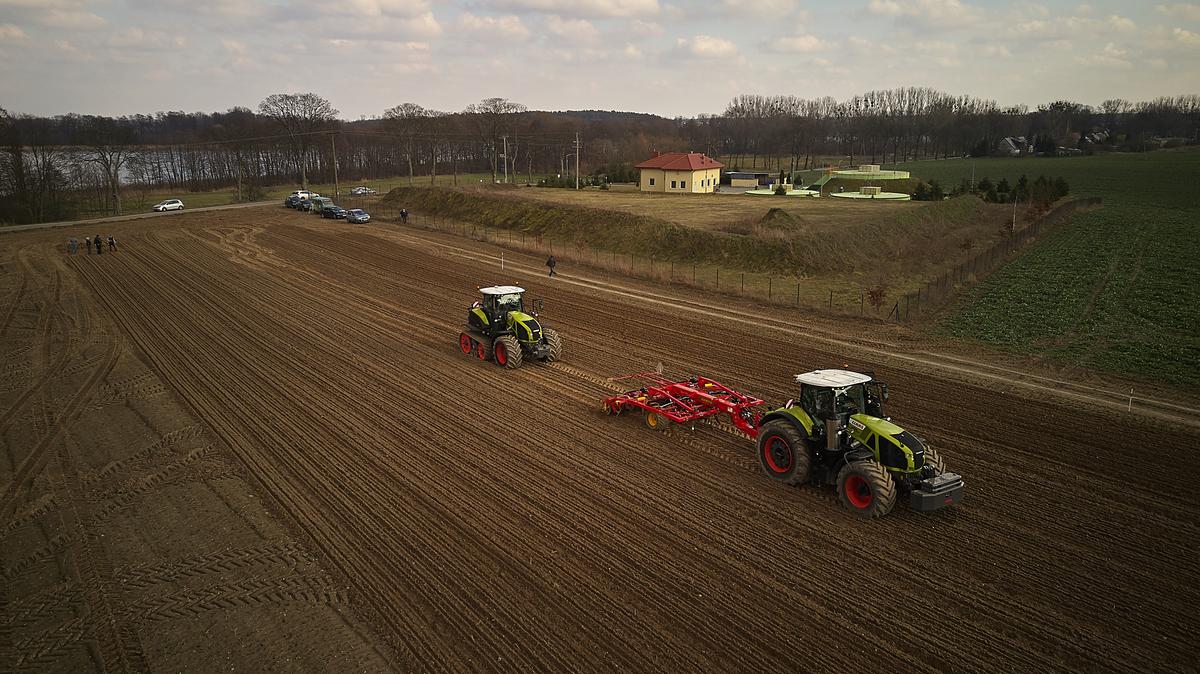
[[299, 115], [109, 142], [492, 116], [407, 120]]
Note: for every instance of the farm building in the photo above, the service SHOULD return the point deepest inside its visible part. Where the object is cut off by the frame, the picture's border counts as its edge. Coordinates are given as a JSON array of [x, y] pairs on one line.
[[680, 172], [749, 178]]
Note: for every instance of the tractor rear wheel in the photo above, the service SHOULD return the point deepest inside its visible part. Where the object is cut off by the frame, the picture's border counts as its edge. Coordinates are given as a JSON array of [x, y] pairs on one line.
[[507, 352], [934, 460], [554, 341], [783, 452], [866, 488]]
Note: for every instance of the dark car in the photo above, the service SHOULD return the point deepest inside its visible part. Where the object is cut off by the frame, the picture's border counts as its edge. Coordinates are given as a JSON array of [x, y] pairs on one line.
[[304, 205], [292, 201], [358, 216], [332, 211]]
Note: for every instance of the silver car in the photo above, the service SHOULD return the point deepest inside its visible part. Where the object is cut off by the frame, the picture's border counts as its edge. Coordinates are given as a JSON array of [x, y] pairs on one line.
[[169, 205]]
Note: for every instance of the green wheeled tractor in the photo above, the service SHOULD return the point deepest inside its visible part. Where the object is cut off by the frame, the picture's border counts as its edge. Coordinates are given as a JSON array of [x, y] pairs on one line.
[[838, 434], [498, 329]]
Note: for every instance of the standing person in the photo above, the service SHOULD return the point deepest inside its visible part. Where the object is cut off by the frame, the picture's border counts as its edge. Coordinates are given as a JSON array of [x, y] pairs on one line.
[[99, 245], [112, 242], [73, 245], [87, 243], [551, 263], [404, 215]]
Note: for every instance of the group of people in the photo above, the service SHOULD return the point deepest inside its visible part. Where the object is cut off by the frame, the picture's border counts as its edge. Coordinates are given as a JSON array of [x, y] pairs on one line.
[[89, 241]]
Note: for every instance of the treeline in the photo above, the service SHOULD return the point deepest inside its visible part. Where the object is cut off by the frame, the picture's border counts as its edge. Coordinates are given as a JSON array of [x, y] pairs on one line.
[[75, 165]]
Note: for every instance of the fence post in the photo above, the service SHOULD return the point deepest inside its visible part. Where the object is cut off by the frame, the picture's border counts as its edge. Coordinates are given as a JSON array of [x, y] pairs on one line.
[[718, 278], [770, 287], [693, 273], [797, 293], [831, 298], [671, 274], [862, 303], [742, 291]]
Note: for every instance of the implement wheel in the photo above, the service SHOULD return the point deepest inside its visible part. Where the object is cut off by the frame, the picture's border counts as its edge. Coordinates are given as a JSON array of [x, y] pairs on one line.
[[554, 341], [507, 352], [866, 489], [465, 343], [657, 422], [481, 351], [783, 453]]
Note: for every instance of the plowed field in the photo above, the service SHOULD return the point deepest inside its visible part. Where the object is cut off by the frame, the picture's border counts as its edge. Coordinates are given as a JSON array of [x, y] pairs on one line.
[[248, 437]]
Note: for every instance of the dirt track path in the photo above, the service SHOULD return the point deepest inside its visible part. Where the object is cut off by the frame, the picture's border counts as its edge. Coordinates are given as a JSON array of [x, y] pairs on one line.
[[491, 519]]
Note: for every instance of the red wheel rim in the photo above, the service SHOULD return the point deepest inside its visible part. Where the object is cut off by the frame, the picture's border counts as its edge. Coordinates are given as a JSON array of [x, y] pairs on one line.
[[778, 454], [464, 343], [858, 492], [480, 351], [501, 355]]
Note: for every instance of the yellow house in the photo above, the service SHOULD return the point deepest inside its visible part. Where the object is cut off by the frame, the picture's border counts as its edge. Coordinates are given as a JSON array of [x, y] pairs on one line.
[[680, 172]]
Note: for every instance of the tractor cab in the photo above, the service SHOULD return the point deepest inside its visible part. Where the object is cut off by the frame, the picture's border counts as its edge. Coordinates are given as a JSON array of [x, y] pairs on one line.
[[836, 395], [490, 314]]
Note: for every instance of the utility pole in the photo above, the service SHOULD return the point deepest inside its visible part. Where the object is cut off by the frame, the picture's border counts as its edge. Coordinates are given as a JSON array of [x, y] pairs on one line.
[[576, 160], [505, 156], [333, 144]]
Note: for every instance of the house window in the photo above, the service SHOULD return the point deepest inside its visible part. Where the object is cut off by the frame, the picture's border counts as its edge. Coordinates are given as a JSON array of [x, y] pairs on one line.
[[672, 184], [683, 184], [652, 181]]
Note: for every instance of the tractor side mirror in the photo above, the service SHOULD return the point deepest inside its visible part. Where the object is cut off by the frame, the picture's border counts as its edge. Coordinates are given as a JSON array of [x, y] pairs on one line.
[[537, 305], [883, 392]]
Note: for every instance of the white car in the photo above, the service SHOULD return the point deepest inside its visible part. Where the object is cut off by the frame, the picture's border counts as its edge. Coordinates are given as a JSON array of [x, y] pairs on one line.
[[169, 205], [362, 191], [304, 194]]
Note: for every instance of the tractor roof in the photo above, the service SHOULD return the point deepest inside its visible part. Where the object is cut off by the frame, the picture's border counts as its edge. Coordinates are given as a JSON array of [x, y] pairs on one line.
[[501, 290], [832, 378]]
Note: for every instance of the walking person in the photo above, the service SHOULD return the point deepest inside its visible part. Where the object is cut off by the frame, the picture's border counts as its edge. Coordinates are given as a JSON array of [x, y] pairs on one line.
[[87, 243], [73, 245], [551, 263], [112, 242], [99, 245], [404, 215]]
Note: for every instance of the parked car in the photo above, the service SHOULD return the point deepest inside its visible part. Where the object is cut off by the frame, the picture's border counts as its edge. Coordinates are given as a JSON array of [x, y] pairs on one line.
[[319, 203], [358, 216], [333, 211], [292, 201], [304, 205], [362, 191], [169, 205], [304, 194]]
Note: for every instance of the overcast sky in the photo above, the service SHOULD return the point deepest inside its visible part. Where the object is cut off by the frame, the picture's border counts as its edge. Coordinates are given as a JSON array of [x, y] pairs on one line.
[[669, 57]]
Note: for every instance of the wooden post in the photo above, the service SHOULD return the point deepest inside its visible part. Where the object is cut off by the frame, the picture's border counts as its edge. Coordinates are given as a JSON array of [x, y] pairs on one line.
[[742, 291], [831, 298], [770, 289]]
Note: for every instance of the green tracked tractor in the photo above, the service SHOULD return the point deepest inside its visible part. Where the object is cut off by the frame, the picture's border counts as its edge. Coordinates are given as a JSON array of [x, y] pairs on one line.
[[498, 329], [838, 434]]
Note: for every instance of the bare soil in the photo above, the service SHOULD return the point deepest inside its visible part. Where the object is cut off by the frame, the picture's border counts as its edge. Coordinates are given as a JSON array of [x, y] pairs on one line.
[[248, 440]]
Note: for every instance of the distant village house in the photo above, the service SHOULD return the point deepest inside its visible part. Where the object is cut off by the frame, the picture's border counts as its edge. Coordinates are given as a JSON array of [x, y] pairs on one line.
[[693, 172]]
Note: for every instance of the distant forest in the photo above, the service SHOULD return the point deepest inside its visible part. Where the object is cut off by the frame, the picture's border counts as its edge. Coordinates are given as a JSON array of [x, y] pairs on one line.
[[59, 167]]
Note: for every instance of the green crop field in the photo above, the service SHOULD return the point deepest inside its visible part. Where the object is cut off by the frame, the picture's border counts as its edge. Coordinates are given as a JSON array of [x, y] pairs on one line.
[[1113, 288]]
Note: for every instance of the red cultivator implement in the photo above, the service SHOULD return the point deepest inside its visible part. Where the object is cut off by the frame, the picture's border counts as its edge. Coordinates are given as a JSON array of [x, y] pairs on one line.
[[680, 402]]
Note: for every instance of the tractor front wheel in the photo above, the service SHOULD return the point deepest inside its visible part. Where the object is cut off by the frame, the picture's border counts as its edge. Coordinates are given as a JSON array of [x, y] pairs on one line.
[[865, 488], [507, 352], [554, 341], [934, 460], [783, 452]]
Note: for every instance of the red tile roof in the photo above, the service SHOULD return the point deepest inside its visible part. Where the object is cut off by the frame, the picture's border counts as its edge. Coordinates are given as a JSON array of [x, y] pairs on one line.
[[681, 161]]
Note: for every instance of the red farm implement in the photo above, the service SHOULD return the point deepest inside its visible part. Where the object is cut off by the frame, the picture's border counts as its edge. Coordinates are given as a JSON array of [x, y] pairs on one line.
[[665, 401]]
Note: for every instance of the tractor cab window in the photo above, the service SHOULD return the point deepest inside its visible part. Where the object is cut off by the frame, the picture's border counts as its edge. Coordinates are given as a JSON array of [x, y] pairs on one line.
[[817, 401], [849, 400], [509, 302]]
